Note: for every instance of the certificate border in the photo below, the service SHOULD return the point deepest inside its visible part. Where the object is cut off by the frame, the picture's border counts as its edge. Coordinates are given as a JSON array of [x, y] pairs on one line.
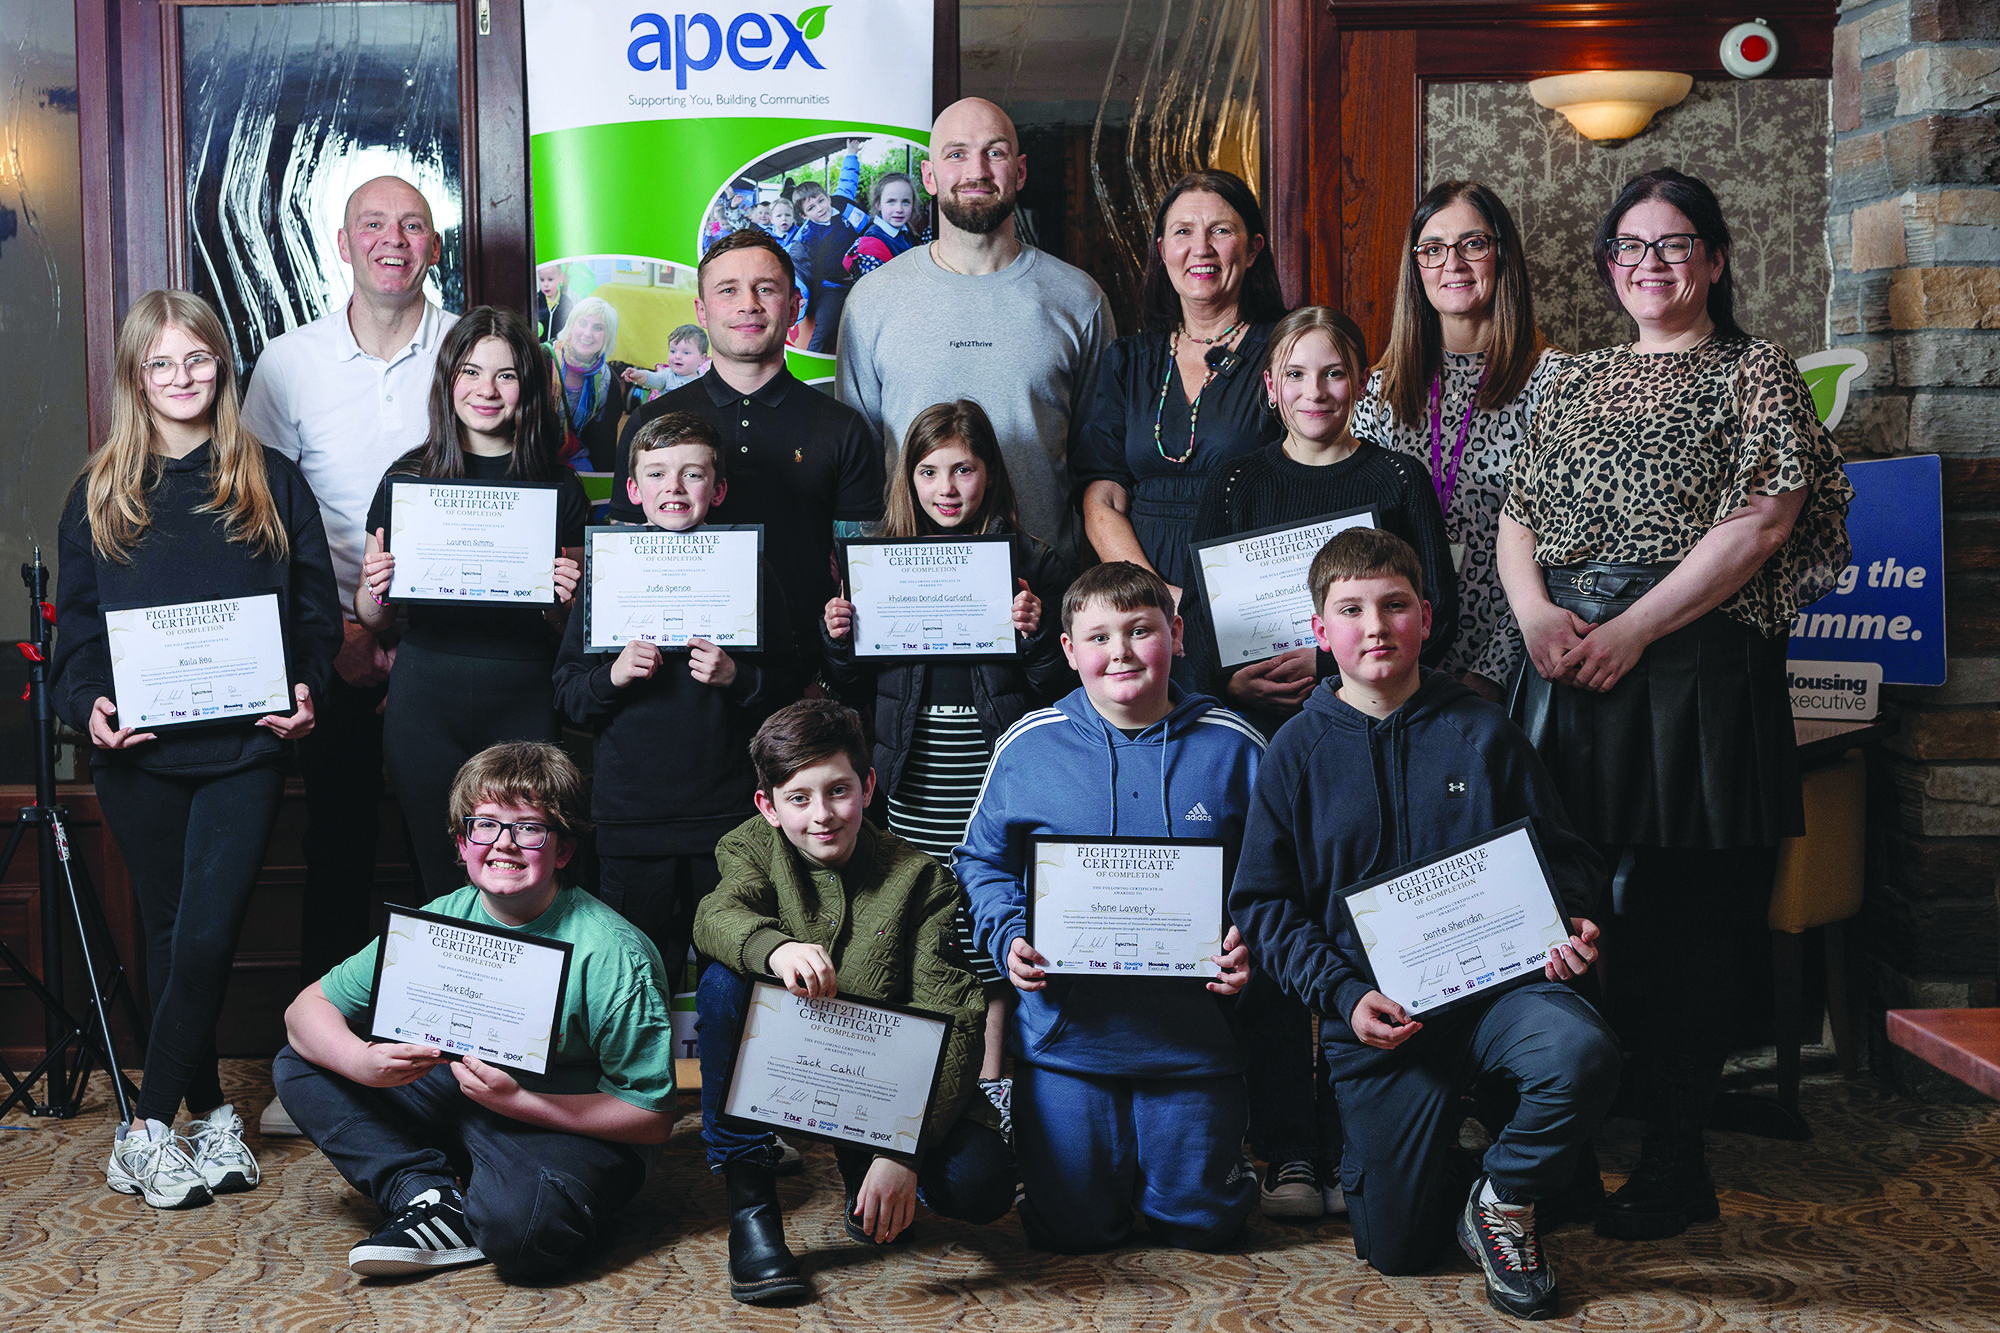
[[389, 528], [284, 644], [1013, 572], [790, 1130], [589, 561], [1499, 987], [1195, 549], [567, 949], [1052, 839]]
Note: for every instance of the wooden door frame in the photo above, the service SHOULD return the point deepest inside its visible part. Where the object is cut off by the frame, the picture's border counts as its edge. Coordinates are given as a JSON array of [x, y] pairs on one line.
[[1344, 92]]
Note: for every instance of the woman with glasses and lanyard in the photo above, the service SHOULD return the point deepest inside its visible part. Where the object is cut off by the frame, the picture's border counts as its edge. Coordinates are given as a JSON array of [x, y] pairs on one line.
[[1184, 396], [1456, 390], [180, 505], [1675, 502]]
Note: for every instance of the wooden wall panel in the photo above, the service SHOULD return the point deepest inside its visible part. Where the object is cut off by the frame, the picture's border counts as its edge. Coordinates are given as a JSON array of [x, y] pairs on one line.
[[1378, 172]]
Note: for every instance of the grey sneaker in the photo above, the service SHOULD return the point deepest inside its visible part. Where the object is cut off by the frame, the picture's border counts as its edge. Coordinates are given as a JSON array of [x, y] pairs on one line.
[[1501, 1238], [152, 1164], [1291, 1189], [224, 1160], [790, 1160], [277, 1122], [430, 1233]]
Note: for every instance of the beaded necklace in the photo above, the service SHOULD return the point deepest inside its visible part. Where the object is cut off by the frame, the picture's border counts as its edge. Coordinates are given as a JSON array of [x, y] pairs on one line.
[[1194, 405]]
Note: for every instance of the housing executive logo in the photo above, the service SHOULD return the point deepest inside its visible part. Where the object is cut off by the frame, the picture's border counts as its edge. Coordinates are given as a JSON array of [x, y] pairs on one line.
[[699, 41]]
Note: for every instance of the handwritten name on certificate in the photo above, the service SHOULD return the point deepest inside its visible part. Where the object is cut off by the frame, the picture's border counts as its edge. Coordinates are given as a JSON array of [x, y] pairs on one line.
[[669, 587], [847, 1071], [468, 989], [1121, 907], [1255, 583], [468, 541], [197, 662], [1479, 918], [945, 597]]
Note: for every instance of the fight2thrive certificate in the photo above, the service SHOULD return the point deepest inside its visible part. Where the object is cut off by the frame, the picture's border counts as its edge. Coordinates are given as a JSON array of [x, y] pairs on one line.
[[669, 587], [853, 1072], [1255, 583], [197, 662], [468, 989], [1123, 907], [471, 541], [942, 597], [1469, 922]]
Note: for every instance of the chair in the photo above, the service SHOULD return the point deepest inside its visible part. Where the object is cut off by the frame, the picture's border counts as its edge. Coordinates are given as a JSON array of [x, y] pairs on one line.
[[1818, 885]]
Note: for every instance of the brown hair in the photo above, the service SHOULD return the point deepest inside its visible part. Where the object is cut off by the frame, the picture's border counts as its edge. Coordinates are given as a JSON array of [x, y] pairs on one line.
[[962, 422], [522, 773], [538, 432], [1415, 355], [1260, 301], [117, 475], [803, 734], [743, 238], [1363, 553], [1349, 344], [807, 190], [671, 428], [1120, 584]]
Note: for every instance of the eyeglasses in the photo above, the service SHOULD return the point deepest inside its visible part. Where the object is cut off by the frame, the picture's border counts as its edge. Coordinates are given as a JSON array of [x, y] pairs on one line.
[[165, 370], [528, 835], [1630, 251], [1471, 249]]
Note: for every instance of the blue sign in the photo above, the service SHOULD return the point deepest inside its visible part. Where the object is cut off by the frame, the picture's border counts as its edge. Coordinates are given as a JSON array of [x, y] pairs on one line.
[[1888, 607]]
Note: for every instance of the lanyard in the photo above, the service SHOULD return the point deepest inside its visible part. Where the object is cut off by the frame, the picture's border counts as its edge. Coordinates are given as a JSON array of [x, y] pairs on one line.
[[1443, 481]]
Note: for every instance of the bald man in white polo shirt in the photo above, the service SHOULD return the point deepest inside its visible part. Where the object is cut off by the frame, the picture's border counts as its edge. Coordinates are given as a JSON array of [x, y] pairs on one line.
[[344, 397]]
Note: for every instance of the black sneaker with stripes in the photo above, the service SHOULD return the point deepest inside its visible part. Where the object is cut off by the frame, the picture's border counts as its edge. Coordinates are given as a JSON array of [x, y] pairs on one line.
[[430, 1233]]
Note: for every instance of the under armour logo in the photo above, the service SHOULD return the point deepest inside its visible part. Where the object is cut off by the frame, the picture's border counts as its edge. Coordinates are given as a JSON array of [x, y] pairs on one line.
[[1455, 788]]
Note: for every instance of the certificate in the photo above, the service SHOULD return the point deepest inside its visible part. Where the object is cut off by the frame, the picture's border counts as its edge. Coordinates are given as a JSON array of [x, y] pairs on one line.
[[1120, 907], [1469, 922], [197, 662], [469, 541], [1255, 585], [668, 587], [468, 989], [943, 597], [847, 1071]]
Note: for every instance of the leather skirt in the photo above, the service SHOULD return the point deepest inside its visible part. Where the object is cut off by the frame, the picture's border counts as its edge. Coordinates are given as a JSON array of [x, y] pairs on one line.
[[1694, 747]]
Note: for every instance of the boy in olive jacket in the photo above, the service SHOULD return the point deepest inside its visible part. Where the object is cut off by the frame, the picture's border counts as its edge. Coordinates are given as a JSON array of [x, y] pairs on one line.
[[813, 894]]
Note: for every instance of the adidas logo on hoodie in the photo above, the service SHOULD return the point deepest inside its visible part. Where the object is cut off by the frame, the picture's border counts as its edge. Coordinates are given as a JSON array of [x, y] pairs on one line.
[[1199, 813]]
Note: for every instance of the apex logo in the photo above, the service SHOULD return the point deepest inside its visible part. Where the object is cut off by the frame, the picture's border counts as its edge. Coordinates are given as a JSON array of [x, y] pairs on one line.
[[658, 44]]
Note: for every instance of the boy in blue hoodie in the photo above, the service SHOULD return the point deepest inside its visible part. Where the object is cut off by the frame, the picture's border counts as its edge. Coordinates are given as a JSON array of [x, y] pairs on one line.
[[1388, 765], [1128, 1092]]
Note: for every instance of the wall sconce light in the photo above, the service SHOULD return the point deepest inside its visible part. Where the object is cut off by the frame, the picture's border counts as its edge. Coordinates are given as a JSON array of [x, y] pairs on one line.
[[1610, 103]]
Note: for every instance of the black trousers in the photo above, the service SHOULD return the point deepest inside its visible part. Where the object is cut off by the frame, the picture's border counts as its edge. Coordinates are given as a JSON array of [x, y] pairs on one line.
[[658, 894], [532, 1196], [193, 847], [341, 762]]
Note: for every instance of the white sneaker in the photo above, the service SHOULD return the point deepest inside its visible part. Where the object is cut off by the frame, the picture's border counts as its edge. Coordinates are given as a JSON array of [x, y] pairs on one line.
[[224, 1160], [276, 1122], [150, 1163], [1334, 1200]]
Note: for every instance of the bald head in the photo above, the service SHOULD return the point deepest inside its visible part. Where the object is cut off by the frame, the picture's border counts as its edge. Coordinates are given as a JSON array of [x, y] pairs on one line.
[[390, 194], [388, 240], [975, 169], [972, 119]]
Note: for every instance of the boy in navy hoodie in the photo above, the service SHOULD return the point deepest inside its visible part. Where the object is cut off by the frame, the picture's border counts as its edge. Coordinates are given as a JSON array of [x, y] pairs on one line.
[[1389, 765], [1128, 1092]]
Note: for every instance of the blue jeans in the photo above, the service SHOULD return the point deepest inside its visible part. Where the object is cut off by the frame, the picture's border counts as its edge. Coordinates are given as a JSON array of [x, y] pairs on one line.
[[968, 1175], [1405, 1183], [532, 1196]]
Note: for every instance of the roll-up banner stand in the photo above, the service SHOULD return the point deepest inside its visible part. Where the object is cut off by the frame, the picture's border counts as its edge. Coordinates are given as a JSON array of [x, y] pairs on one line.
[[654, 131]]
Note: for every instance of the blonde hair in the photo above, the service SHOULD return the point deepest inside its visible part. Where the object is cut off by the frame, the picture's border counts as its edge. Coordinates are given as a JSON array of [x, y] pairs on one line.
[[117, 475]]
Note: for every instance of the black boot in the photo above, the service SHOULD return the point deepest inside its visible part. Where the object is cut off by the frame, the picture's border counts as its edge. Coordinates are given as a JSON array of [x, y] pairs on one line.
[[1668, 1192], [853, 1170], [761, 1270]]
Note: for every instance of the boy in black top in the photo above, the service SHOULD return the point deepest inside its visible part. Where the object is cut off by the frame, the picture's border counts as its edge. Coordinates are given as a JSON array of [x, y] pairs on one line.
[[1393, 766], [672, 766]]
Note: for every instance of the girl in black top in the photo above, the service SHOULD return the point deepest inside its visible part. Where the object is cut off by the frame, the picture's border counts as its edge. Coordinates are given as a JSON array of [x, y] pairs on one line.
[[467, 677], [181, 505], [936, 722]]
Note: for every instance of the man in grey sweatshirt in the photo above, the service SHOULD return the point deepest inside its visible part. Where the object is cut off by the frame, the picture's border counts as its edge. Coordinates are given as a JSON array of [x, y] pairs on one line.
[[976, 314]]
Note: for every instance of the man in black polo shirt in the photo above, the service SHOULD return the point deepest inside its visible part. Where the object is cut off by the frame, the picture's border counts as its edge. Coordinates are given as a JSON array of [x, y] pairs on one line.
[[799, 461]]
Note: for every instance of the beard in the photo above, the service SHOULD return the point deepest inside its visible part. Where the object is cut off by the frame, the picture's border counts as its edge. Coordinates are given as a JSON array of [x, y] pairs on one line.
[[978, 219]]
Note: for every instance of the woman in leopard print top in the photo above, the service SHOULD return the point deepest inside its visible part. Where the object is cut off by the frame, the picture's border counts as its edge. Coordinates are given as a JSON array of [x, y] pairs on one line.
[[1675, 502]]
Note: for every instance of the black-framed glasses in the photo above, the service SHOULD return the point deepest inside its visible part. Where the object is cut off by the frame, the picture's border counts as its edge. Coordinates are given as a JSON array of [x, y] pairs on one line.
[[1630, 251], [164, 370], [528, 834], [1472, 249]]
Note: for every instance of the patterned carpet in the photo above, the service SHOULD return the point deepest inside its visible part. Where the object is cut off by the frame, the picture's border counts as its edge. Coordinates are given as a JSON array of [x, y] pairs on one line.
[[1888, 1220]]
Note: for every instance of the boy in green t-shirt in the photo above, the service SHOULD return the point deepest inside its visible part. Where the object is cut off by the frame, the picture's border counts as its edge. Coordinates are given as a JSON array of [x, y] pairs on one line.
[[546, 1158]]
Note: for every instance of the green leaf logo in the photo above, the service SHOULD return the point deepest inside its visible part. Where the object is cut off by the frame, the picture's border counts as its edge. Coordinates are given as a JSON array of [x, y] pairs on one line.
[[1828, 374], [813, 22]]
